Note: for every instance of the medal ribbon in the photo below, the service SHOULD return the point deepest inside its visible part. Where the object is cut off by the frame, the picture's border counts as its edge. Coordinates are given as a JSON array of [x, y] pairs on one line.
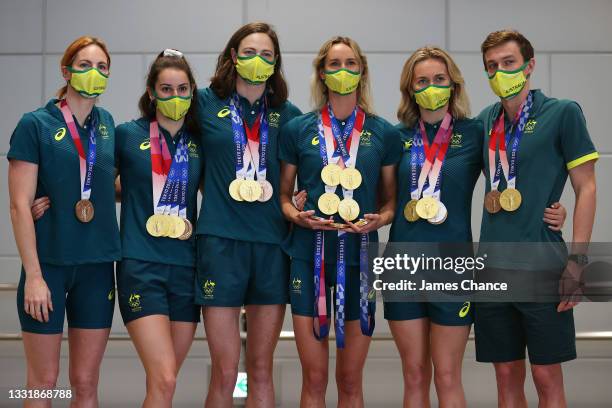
[[501, 140], [86, 163], [441, 143], [425, 157], [169, 177], [252, 139]]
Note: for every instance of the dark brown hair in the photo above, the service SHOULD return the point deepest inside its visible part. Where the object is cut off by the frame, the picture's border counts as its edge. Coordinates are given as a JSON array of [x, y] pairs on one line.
[[147, 106], [223, 83], [500, 37], [73, 49]]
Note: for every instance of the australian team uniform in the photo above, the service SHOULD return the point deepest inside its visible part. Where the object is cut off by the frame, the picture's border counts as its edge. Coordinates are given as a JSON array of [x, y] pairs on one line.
[[77, 238], [338, 164], [160, 177], [546, 140], [241, 226], [459, 155]]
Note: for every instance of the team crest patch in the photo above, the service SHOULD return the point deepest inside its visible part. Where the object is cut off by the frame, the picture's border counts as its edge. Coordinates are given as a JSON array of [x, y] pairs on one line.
[[456, 140], [530, 126], [274, 119], [296, 285], [134, 302], [366, 138], [103, 130], [193, 150], [208, 288]]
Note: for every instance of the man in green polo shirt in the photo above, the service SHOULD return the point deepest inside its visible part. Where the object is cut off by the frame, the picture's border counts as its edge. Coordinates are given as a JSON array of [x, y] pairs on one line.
[[546, 140]]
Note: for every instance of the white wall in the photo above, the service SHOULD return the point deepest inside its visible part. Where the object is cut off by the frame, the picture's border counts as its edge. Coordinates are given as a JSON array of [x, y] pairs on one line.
[[573, 40]]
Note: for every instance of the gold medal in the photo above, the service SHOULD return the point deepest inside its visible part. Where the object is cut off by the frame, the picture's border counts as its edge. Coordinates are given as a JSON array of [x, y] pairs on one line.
[[491, 202], [234, 189], [176, 226], [328, 203], [84, 211], [510, 199], [410, 212], [266, 190], [250, 190], [330, 174], [188, 230], [157, 225], [427, 207], [361, 222], [350, 178], [440, 216], [348, 209]]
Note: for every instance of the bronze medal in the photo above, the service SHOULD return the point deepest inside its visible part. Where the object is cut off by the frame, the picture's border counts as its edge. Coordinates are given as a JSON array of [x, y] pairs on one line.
[[84, 211], [266, 190], [188, 230], [491, 202]]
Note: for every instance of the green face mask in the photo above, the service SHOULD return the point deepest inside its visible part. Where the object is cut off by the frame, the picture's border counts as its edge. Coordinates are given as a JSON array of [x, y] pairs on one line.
[[433, 97], [342, 81], [507, 84], [89, 83], [255, 69], [174, 107]]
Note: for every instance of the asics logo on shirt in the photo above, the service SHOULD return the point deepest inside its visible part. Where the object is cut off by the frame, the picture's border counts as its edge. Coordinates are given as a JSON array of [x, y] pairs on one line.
[[407, 145], [223, 112], [465, 309], [145, 145], [59, 134], [315, 141]]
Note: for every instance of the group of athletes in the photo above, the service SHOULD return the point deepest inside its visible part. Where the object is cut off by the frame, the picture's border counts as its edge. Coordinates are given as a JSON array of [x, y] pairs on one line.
[[259, 242]]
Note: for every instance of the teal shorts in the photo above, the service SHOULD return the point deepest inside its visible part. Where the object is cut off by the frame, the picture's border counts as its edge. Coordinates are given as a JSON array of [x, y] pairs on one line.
[[232, 273], [84, 293], [503, 330], [149, 288], [301, 289], [441, 313]]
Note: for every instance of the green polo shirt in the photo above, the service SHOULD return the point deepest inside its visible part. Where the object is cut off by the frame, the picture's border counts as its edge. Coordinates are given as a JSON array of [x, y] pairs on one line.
[[220, 215], [555, 140], [460, 171], [134, 164], [42, 138], [379, 146]]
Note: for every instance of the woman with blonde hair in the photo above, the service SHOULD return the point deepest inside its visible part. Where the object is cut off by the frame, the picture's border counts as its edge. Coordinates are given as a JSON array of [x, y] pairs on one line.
[[343, 155], [439, 167]]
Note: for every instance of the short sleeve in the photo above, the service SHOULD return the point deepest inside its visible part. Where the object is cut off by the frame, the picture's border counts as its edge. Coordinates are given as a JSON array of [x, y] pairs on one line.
[[287, 151], [25, 141], [576, 144], [393, 145], [120, 136]]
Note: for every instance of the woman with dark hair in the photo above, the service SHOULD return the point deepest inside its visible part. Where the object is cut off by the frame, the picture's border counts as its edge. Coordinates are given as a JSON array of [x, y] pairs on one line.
[[160, 164], [240, 227], [68, 253]]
